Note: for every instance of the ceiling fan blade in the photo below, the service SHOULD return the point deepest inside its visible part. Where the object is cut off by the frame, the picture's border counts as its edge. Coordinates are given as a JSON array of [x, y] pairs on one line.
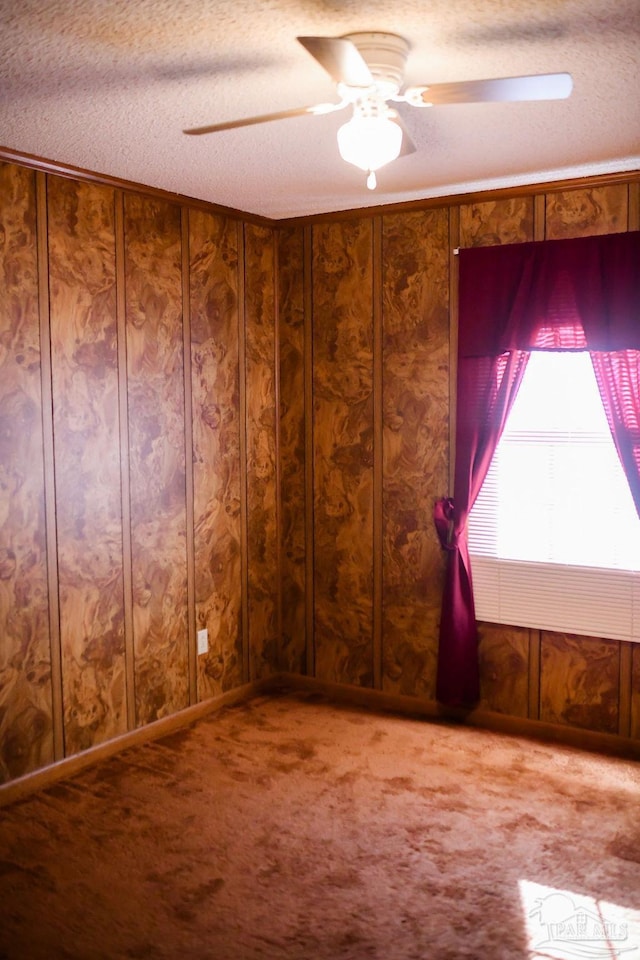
[[340, 58], [319, 108], [408, 146], [545, 86]]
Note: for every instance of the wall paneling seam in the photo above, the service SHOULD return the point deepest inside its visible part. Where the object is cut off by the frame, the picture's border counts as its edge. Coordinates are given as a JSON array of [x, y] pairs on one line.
[[53, 582], [378, 451], [625, 689], [539, 216], [125, 480], [633, 220], [533, 668], [307, 247], [188, 456], [247, 669], [277, 443]]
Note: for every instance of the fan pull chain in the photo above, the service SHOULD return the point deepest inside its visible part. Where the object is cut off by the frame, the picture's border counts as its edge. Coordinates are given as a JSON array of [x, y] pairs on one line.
[[372, 183]]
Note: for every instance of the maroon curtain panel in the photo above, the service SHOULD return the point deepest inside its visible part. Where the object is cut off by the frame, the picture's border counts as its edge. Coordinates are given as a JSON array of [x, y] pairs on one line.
[[487, 387], [581, 294], [618, 377]]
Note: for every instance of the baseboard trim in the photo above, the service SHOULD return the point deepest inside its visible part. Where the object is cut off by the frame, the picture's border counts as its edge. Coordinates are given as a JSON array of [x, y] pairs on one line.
[[31, 782], [591, 740], [339, 693]]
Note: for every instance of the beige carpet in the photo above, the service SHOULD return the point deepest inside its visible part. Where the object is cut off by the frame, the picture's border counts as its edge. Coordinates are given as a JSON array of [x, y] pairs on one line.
[[287, 828]]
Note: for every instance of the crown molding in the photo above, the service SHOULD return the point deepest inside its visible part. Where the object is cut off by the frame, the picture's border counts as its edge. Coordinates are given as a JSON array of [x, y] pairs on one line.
[[359, 213], [79, 173], [460, 199]]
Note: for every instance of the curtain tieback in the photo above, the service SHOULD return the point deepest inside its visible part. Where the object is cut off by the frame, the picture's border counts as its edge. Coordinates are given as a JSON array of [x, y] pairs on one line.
[[443, 517]]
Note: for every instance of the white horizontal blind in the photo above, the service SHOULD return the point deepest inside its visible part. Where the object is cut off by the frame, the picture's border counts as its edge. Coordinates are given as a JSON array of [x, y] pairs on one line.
[[582, 600], [554, 535]]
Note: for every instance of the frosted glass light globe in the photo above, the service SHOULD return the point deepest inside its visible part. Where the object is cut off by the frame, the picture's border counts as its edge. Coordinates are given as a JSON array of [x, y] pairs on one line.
[[369, 142]]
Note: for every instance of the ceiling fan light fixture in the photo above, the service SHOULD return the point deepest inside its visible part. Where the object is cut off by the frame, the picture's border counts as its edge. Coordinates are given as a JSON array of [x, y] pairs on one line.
[[370, 142], [368, 70]]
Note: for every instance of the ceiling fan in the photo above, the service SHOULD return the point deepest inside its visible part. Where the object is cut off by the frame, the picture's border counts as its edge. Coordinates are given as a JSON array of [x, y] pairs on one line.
[[368, 69]]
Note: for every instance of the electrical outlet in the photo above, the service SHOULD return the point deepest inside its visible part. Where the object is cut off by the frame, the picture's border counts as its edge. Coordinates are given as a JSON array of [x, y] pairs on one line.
[[203, 642]]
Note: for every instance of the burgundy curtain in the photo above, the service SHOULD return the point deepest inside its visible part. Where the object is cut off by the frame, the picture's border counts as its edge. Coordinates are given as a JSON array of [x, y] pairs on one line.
[[487, 387], [618, 376], [550, 295]]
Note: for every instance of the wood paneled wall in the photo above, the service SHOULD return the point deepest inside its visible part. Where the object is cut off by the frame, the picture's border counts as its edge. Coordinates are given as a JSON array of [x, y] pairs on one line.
[[292, 653], [86, 482], [208, 422], [138, 461], [26, 689], [263, 511], [343, 346], [415, 443], [157, 471], [372, 322], [214, 257]]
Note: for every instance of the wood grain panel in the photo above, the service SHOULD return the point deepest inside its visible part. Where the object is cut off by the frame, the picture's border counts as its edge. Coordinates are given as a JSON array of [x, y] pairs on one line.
[[262, 506], [157, 456], [587, 212], [26, 729], [308, 453], [343, 451], [81, 221], [579, 681], [635, 691], [292, 447], [415, 259], [496, 221], [192, 668], [504, 669], [213, 246], [634, 206]]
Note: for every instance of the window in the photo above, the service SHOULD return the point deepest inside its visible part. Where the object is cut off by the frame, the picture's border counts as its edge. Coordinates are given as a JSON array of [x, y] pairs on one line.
[[554, 534]]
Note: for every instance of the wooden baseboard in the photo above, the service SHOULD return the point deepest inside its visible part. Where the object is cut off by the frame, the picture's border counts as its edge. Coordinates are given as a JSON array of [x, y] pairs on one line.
[[39, 779], [364, 697], [607, 743]]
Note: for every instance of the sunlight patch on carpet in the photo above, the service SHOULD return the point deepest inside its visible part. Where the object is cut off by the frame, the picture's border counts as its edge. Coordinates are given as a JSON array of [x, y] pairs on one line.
[[564, 925]]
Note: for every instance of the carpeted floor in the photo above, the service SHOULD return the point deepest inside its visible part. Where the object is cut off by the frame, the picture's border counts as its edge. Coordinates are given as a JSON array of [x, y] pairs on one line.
[[288, 828]]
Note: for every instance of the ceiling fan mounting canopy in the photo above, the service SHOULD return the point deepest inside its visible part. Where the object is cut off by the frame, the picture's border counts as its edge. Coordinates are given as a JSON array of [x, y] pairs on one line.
[[385, 54]]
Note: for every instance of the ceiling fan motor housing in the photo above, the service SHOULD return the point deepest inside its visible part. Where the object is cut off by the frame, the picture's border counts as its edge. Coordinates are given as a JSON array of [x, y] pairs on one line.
[[386, 55]]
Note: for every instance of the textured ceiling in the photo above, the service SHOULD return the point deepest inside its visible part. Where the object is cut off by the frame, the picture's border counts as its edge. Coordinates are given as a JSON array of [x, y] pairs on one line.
[[109, 85]]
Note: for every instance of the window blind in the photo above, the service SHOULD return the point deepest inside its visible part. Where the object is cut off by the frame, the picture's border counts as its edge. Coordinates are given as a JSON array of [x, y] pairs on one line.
[[554, 535]]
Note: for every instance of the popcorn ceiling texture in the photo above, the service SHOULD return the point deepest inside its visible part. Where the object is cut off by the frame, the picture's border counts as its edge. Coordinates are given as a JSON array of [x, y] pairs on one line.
[[109, 85]]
